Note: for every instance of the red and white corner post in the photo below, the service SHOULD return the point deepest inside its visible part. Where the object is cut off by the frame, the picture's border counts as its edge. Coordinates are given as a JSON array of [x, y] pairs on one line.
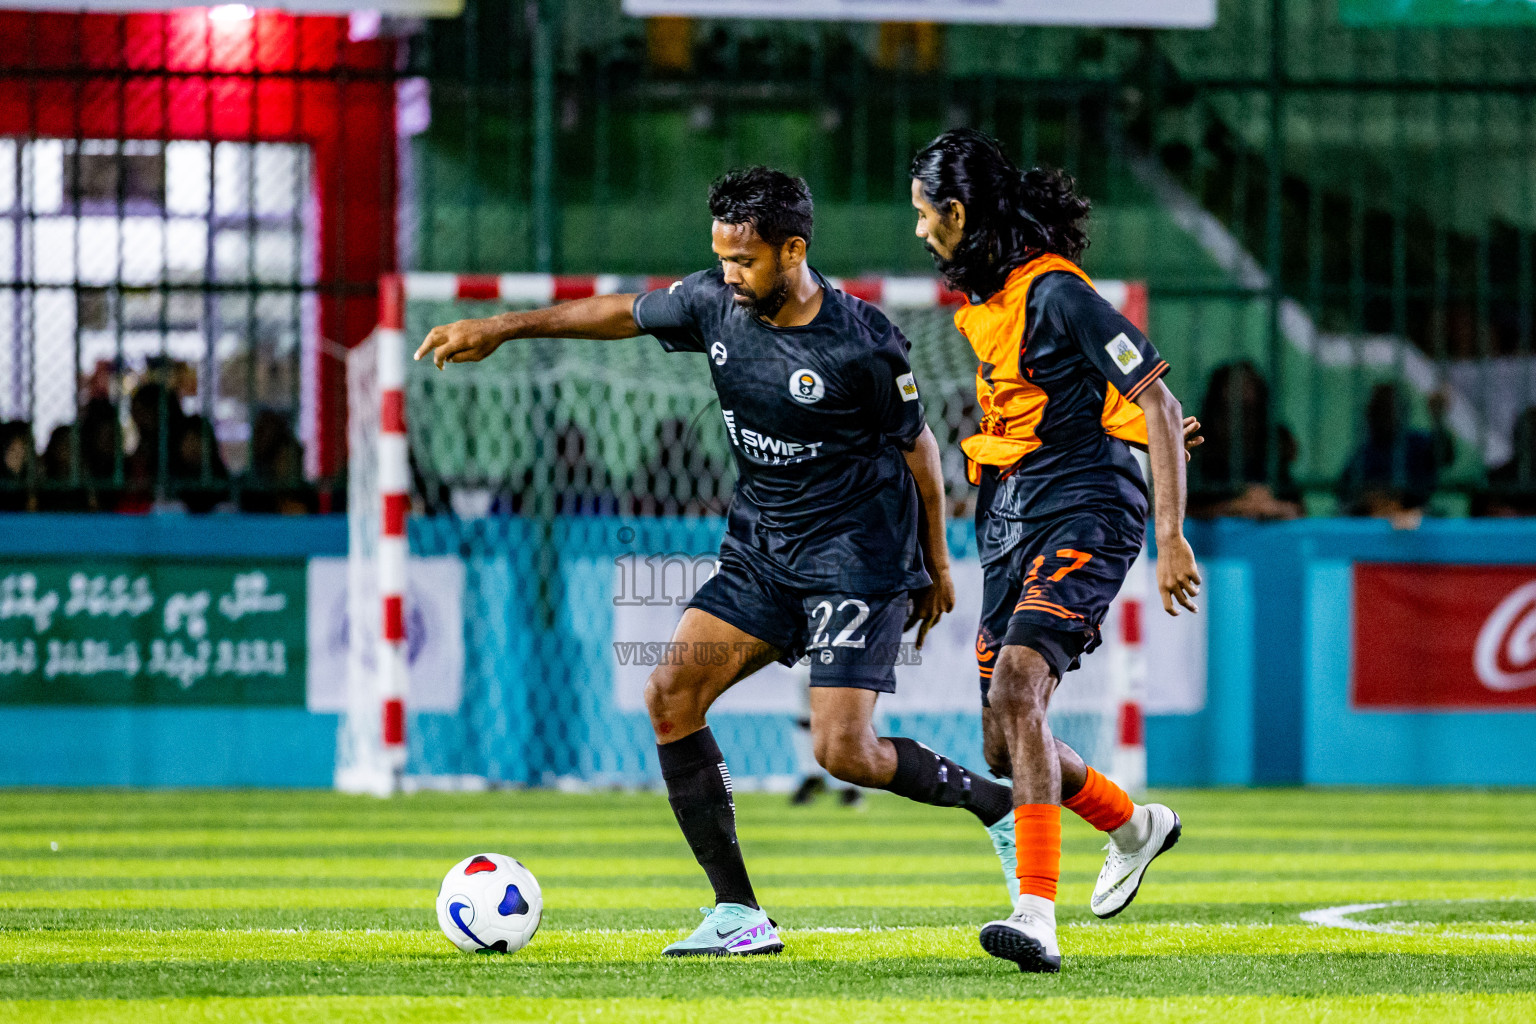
[[1130, 728], [394, 498], [1128, 763]]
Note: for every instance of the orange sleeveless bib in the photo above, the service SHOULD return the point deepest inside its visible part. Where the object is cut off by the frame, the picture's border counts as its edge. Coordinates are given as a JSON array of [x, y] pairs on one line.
[[1011, 406]]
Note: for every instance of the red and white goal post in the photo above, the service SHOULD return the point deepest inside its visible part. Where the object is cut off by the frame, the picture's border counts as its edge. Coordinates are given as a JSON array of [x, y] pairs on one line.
[[373, 744]]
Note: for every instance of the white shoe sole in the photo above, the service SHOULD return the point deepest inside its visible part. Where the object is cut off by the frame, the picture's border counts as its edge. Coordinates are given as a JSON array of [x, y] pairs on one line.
[[1169, 842], [767, 944], [771, 947], [1006, 942]]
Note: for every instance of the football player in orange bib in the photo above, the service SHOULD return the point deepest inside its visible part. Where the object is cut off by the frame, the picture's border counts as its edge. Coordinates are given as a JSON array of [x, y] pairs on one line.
[[1066, 386]]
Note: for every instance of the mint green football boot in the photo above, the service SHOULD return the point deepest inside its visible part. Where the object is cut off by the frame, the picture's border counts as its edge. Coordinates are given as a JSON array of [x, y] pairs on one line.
[[1006, 845], [729, 930]]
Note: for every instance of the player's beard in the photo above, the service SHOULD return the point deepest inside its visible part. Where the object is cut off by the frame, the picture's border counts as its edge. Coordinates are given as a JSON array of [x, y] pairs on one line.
[[953, 271], [970, 269], [767, 306]]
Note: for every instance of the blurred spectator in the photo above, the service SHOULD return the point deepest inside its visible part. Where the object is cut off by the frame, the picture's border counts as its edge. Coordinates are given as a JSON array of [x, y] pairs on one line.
[[176, 456], [150, 408], [91, 480], [63, 486], [18, 469], [197, 467], [681, 478], [580, 487], [1231, 472], [101, 453], [83, 468], [1394, 472], [1512, 486], [276, 483], [431, 496]]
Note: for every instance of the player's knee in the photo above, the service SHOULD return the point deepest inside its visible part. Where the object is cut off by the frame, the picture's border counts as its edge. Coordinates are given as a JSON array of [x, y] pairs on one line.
[[1021, 685], [848, 757], [669, 698], [1019, 701]]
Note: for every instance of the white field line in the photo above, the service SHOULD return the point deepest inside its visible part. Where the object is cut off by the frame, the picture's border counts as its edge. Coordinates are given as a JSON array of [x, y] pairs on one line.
[[875, 929], [1341, 917], [1338, 917]]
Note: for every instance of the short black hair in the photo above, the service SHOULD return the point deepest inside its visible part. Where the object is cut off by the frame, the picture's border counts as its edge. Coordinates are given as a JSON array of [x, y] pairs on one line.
[[777, 205]]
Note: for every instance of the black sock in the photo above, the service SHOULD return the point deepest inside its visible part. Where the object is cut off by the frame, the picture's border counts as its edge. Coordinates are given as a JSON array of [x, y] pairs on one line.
[[931, 778], [699, 790]]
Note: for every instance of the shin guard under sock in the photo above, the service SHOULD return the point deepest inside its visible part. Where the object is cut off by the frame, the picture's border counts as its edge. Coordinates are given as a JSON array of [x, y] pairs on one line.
[[699, 790], [931, 778], [1037, 832], [1101, 803]]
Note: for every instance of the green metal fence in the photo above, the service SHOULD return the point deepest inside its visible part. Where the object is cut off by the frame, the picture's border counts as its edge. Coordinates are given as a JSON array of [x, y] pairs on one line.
[[1319, 207], [1331, 201]]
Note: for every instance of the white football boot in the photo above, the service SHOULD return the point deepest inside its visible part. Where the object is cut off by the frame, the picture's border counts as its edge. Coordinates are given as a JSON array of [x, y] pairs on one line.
[[1120, 878], [1027, 937]]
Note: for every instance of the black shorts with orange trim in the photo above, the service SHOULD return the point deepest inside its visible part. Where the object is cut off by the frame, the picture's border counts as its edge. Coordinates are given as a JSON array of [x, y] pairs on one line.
[[1050, 588]]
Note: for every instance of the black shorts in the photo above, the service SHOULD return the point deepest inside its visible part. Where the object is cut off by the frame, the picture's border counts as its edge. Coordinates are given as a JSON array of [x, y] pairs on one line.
[[1049, 585], [851, 639]]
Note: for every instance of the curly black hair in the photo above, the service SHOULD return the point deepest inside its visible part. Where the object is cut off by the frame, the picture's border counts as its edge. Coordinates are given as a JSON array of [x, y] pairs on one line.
[[1011, 216], [777, 205]]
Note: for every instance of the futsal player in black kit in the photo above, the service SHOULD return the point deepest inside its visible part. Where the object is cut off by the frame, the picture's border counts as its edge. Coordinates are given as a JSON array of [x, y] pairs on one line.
[[1067, 386], [835, 536]]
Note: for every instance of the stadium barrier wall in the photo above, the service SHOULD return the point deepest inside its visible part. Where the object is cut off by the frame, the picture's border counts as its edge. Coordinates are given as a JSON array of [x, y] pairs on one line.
[[1291, 632], [1278, 701], [171, 743], [542, 705]]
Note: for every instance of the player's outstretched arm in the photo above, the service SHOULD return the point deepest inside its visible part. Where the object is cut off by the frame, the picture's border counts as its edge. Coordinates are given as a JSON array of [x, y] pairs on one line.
[[927, 467], [601, 317], [1178, 579]]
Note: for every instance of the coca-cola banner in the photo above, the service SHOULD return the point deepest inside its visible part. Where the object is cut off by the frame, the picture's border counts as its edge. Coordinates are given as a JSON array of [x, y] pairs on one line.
[[1444, 636]]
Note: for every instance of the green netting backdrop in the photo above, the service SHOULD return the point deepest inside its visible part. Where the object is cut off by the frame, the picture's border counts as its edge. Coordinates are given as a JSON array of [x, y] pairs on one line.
[[542, 465], [624, 419]]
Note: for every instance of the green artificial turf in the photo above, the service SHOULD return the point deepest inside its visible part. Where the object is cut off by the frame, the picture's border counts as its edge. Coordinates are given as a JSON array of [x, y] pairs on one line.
[[318, 907]]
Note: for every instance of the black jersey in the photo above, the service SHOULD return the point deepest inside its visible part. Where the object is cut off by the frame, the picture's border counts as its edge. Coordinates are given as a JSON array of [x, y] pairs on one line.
[[818, 417], [1060, 368]]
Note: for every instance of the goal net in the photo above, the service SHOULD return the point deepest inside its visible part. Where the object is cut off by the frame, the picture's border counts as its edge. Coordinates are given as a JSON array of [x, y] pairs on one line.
[[566, 498]]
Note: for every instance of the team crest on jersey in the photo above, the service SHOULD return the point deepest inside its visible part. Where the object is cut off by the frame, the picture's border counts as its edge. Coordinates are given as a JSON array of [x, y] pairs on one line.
[[1123, 353], [907, 385], [717, 353], [805, 386]]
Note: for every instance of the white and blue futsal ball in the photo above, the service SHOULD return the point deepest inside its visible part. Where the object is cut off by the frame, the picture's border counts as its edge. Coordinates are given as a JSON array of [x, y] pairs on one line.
[[489, 903]]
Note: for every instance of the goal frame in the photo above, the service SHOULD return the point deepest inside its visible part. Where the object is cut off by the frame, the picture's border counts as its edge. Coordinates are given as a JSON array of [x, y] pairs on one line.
[[1128, 761]]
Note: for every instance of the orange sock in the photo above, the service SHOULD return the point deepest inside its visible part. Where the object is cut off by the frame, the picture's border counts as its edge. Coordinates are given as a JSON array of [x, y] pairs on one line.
[[1037, 830], [1101, 803]]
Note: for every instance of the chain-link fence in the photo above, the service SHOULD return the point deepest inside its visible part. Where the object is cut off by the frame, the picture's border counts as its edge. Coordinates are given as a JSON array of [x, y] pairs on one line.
[[153, 321], [582, 486], [1331, 200], [195, 206]]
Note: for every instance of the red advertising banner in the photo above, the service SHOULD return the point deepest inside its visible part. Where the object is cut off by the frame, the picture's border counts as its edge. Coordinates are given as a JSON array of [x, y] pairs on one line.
[[1444, 636]]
